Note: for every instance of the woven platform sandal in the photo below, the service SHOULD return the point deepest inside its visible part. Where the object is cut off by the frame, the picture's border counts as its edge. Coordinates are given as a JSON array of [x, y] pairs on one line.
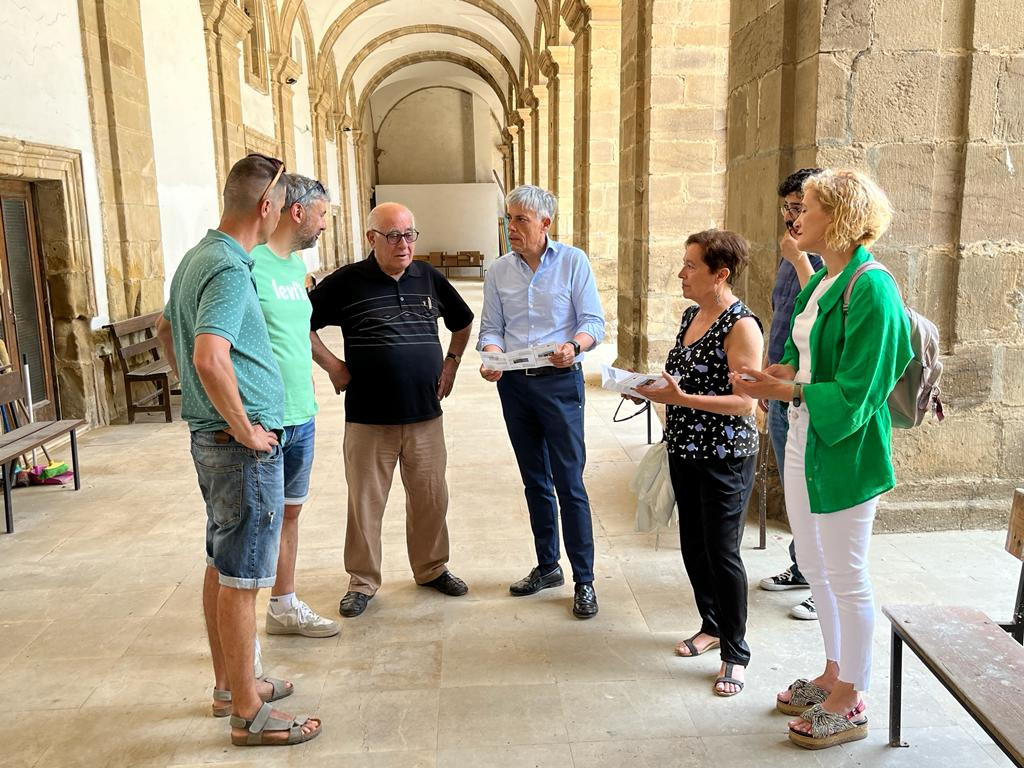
[[803, 694], [829, 729], [727, 678], [281, 691], [264, 724]]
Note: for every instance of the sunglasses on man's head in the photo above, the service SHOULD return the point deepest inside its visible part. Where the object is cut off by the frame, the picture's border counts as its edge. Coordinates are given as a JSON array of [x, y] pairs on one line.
[[277, 176]]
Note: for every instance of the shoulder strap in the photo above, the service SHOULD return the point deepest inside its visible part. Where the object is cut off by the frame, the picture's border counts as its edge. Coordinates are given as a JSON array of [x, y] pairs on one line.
[[867, 266]]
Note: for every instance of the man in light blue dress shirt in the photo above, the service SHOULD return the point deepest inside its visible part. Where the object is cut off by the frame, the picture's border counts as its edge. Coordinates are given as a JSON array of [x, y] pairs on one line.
[[544, 292]]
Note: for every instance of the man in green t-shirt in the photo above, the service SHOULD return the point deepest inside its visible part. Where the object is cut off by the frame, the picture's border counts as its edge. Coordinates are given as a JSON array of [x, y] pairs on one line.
[[280, 276]]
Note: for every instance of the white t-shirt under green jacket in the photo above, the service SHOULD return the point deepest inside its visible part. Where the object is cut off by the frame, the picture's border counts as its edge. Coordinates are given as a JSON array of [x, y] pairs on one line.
[[280, 283]]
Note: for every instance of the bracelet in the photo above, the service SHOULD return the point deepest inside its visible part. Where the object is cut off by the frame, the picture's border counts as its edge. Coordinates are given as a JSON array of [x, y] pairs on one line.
[[798, 394], [453, 356]]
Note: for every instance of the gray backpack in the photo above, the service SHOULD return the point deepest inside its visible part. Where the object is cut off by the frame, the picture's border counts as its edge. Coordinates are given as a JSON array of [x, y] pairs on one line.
[[917, 391]]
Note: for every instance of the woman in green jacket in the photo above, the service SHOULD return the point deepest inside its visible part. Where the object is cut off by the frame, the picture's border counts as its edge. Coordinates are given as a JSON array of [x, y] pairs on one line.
[[837, 374]]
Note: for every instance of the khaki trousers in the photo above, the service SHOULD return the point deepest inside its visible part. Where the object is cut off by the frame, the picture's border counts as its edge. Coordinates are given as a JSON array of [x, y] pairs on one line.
[[371, 452]]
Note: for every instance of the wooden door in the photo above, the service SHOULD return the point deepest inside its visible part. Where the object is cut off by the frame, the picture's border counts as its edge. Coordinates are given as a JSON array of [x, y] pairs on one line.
[[24, 307]]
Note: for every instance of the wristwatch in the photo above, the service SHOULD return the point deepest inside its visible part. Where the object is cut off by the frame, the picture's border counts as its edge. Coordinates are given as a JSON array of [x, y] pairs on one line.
[[798, 394], [453, 356], [575, 346]]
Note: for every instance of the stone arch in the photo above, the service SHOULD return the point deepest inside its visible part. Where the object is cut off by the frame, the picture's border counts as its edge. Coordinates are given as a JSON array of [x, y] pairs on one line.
[[439, 29], [307, 37], [357, 8], [422, 57]]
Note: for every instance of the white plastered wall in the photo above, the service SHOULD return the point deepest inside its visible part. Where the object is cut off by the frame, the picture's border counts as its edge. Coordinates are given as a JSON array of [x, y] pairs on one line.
[[451, 217], [45, 100], [179, 103]]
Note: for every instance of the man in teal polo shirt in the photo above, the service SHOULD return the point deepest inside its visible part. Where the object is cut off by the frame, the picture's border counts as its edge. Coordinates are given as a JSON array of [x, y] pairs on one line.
[[232, 396], [280, 276]]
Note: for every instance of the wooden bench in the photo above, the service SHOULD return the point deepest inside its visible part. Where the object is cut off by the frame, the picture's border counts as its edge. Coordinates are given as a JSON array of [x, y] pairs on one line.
[[21, 439], [979, 661], [152, 369]]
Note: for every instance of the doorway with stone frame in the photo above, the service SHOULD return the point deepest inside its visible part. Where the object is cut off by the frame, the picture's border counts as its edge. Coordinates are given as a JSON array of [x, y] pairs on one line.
[[46, 183], [26, 346]]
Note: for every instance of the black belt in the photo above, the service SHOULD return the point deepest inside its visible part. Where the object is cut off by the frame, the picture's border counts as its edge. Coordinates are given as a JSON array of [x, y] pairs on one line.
[[549, 370]]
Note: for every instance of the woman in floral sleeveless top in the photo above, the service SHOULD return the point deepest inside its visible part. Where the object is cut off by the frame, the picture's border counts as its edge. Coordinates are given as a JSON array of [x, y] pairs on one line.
[[712, 443]]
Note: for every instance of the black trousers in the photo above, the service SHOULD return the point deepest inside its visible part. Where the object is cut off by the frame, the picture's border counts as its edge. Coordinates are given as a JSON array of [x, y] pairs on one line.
[[712, 496]]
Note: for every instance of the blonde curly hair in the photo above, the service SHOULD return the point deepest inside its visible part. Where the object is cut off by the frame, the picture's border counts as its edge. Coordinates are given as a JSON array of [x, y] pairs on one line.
[[860, 210]]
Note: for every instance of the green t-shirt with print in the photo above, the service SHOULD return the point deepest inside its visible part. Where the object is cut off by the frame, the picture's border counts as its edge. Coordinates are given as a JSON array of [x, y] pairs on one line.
[[280, 283], [212, 292]]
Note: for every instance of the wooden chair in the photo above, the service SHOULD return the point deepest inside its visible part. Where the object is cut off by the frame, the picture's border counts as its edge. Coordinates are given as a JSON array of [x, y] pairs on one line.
[[154, 369]]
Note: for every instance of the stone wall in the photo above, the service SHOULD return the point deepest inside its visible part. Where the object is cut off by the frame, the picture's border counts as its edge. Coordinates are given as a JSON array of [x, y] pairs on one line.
[[928, 102], [672, 170]]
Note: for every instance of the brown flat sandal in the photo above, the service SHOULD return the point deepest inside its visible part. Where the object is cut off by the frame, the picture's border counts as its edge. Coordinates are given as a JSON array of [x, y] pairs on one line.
[[281, 690], [688, 644]]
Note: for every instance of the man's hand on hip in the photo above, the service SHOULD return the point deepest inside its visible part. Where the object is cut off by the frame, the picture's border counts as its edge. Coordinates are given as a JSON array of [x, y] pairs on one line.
[[340, 377], [447, 380], [256, 439]]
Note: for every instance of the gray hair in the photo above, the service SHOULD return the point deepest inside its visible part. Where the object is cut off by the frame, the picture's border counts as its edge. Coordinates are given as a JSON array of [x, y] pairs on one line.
[[302, 189], [535, 199]]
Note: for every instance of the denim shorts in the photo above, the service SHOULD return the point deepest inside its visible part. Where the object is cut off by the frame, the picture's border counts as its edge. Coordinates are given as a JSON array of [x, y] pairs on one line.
[[244, 495], [298, 461]]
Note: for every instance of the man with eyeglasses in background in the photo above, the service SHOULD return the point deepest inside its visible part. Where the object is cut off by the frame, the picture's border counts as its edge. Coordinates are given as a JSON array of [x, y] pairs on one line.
[[394, 376], [795, 269], [280, 275]]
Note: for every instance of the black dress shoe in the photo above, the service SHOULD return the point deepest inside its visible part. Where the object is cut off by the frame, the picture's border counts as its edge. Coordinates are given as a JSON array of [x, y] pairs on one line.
[[448, 584], [536, 581], [353, 603], [584, 604]]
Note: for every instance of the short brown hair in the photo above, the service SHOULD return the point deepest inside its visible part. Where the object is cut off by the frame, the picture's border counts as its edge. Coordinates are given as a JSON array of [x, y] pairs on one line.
[[722, 248], [247, 182]]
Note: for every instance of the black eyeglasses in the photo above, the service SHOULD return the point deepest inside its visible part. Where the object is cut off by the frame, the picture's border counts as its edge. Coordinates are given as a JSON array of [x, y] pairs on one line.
[[792, 209], [410, 235], [277, 176]]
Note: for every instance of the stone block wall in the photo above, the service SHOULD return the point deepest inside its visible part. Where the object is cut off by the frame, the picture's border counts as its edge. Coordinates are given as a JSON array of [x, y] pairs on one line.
[[925, 97]]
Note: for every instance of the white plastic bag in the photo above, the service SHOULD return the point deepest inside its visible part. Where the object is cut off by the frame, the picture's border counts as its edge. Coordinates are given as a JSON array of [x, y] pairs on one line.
[[655, 499]]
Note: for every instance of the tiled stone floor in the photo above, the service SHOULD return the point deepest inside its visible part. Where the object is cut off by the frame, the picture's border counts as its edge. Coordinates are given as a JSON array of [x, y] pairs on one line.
[[103, 656]]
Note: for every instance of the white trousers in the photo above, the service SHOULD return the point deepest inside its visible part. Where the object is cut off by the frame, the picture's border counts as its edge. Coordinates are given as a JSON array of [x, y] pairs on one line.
[[832, 551]]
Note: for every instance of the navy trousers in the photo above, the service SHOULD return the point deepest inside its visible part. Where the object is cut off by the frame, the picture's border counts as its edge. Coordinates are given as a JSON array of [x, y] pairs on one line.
[[544, 417]]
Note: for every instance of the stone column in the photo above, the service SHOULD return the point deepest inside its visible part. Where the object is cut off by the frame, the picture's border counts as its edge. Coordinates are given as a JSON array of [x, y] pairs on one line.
[[225, 25], [560, 63], [122, 133], [526, 141], [506, 158], [342, 126], [359, 140], [673, 161], [541, 137], [597, 29], [284, 71], [517, 129], [321, 107]]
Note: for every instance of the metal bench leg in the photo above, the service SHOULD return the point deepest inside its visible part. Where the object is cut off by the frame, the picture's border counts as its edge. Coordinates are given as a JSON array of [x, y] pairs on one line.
[[74, 459], [896, 691], [165, 397], [7, 471]]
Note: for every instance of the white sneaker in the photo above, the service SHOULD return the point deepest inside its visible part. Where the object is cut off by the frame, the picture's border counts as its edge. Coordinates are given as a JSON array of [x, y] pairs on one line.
[[300, 620], [805, 610]]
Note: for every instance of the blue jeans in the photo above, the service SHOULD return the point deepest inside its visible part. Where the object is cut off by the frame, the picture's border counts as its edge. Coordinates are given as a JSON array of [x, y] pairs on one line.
[[298, 461], [544, 417], [778, 429], [244, 495]]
